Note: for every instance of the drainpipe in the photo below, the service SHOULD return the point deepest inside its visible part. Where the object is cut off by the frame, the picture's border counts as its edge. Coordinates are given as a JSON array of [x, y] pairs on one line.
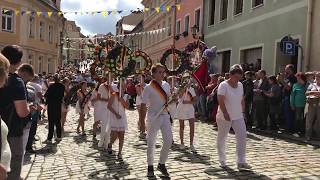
[[308, 34], [202, 21]]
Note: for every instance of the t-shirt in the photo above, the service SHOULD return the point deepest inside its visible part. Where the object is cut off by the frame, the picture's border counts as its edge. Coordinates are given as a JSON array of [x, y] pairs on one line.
[[290, 80], [55, 94], [152, 97], [37, 89], [232, 100], [14, 90], [276, 91]]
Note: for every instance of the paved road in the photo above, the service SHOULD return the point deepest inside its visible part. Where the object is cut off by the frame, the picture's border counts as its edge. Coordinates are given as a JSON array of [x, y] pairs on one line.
[[77, 157]]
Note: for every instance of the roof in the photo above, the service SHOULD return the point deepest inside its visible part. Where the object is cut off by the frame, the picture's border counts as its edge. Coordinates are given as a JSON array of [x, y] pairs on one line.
[[50, 3]]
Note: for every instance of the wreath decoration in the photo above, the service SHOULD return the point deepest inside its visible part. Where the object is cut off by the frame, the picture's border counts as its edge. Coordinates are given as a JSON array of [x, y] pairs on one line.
[[180, 56], [116, 58], [101, 52], [142, 55]]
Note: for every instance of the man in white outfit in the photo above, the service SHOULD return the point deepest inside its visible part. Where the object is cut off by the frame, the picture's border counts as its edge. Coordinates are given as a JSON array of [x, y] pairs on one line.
[[156, 95]]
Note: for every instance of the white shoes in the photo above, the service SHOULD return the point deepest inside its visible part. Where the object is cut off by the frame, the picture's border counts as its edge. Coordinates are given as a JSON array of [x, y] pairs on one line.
[[244, 166]]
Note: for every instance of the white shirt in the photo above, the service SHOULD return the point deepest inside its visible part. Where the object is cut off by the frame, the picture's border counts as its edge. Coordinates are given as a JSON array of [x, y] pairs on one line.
[[232, 100], [104, 93], [37, 89], [151, 97]]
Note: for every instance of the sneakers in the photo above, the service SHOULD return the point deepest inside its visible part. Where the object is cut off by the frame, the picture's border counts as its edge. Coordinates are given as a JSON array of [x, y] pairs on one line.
[[244, 166], [223, 164], [48, 141], [150, 171], [162, 168], [192, 148], [120, 156], [182, 146], [142, 135]]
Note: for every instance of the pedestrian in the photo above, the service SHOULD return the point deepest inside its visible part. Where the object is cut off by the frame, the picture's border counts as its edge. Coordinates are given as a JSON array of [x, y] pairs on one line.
[[118, 102], [131, 90], [289, 81], [95, 103], [36, 114], [261, 102], [313, 112], [65, 104], [248, 87], [230, 114], [14, 109], [274, 101], [82, 106], [298, 102], [141, 124], [156, 96], [104, 92], [5, 150], [54, 96], [185, 112]]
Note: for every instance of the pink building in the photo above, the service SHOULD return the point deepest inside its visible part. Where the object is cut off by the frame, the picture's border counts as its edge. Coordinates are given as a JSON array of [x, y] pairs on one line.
[[190, 14], [155, 44]]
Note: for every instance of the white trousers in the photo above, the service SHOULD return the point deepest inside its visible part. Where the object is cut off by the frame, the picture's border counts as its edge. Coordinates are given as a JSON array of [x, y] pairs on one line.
[[153, 126], [239, 128]]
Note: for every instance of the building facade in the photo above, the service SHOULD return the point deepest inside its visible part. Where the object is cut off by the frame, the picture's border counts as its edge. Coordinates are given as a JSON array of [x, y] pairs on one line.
[[73, 45], [155, 44], [250, 31], [38, 35]]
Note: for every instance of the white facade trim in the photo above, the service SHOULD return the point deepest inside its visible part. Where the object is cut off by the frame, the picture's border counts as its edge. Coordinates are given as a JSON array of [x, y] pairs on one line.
[[257, 19]]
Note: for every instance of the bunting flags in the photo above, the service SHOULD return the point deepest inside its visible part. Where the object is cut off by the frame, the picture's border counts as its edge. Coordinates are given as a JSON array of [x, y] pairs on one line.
[[104, 13], [156, 31]]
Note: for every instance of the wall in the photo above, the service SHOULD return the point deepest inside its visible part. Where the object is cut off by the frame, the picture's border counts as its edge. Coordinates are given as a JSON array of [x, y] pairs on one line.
[[259, 27], [315, 37]]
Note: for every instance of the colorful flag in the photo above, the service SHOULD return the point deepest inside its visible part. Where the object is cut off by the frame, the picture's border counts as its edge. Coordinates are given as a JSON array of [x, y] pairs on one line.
[[201, 75]]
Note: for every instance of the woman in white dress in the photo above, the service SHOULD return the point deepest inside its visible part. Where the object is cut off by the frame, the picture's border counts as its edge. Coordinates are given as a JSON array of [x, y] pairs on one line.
[[5, 148], [185, 111], [65, 106], [117, 104], [82, 106]]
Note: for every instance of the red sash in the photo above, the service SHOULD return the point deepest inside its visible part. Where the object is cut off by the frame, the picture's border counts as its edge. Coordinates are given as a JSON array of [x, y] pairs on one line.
[[155, 85]]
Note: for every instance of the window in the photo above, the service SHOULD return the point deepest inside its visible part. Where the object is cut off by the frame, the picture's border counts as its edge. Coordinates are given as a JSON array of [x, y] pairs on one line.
[[169, 26], [197, 17], [238, 7], [224, 10], [256, 3], [50, 34], [178, 27], [41, 30], [186, 23], [30, 59], [212, 12], [31, 27], [7, 20]]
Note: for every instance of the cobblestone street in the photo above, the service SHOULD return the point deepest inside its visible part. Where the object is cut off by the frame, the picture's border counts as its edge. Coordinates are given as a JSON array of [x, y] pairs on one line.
[[78, 157]]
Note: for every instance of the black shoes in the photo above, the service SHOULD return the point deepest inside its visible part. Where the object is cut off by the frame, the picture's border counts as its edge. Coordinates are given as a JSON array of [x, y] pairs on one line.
[[150, 171], [162, 168]]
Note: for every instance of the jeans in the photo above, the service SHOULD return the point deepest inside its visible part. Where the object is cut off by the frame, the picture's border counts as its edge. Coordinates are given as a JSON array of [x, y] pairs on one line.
[[54, 117], [33, 129], [299, 123], [202, 107], [17, 153], [288, 114]]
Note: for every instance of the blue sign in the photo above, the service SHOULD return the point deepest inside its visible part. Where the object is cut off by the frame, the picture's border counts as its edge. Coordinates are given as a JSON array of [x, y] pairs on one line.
[[288, 46]]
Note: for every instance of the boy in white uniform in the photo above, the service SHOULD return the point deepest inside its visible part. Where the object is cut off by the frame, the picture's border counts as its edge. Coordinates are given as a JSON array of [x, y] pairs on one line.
[[156, 95]]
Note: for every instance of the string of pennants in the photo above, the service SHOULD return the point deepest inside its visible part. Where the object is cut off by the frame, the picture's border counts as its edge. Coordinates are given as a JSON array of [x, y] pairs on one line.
[[104, 13], [156, 31]]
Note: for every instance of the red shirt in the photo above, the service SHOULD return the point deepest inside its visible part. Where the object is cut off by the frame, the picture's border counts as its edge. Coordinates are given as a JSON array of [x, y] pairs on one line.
[[131, 89]]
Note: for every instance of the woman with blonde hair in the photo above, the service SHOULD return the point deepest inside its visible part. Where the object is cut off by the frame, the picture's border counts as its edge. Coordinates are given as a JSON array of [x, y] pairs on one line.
[[5, 148]]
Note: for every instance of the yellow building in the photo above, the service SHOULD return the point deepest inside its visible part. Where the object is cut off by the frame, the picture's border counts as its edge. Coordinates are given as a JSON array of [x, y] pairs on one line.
[[37, 34]]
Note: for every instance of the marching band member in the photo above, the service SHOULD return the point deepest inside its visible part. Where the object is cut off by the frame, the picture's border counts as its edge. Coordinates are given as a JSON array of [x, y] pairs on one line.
[[156, 95], [185, 111], [118, 121], [82, 106]]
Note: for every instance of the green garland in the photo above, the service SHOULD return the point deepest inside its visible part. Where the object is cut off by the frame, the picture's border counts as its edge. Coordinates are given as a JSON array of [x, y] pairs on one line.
[[184, 64], [114, 61], [147, 60]]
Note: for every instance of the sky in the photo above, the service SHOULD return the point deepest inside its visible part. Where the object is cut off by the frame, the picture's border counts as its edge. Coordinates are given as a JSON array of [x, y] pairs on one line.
[[91, 25]]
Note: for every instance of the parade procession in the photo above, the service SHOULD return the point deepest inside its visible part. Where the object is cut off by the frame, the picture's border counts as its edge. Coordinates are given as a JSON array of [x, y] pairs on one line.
[[159, 89]]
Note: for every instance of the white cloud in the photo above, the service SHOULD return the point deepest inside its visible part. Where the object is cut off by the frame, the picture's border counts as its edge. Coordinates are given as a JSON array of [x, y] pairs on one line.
[[97, 24]]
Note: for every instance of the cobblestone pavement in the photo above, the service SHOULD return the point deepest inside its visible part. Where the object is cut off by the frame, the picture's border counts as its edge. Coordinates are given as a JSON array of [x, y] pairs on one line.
[[77, 157]]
